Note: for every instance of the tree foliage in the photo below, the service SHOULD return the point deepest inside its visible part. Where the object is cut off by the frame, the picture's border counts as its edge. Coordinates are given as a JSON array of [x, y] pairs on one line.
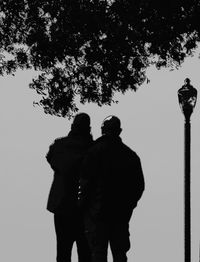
[[93, 48]]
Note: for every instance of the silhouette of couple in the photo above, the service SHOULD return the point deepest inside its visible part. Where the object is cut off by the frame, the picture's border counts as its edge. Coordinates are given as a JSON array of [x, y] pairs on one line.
[[96, 186]]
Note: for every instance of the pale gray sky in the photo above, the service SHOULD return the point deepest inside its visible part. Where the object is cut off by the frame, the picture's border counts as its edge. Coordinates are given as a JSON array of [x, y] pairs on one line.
[[152, 126]]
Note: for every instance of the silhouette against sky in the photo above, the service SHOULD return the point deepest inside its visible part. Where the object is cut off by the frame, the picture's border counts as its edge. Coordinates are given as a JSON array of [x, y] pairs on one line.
[[153, 127]]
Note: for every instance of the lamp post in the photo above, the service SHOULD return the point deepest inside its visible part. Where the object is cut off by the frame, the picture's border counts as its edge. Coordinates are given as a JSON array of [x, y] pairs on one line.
[[187, 96]]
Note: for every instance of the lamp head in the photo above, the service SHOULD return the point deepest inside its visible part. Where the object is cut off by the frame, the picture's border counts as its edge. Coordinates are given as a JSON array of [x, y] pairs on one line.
[[187, 96]]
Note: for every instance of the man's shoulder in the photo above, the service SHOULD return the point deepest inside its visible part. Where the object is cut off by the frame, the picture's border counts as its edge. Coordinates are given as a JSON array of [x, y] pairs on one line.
[[61, 139], [73, 142], [129, 151], [97, 146], [58, 142], [100, 142]]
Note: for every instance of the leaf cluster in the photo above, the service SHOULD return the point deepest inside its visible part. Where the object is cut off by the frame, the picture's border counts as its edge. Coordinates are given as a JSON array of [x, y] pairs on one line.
[[93, 48]]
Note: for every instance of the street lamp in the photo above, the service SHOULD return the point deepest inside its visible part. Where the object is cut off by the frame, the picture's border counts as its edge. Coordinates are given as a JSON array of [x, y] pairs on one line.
[[187, 96]]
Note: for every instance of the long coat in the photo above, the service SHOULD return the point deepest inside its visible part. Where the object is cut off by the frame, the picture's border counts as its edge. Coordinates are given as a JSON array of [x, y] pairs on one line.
[[65, 156]]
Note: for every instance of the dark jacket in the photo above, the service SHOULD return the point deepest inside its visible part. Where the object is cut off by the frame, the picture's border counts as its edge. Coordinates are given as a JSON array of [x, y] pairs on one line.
[[65, 156], [112, 180]]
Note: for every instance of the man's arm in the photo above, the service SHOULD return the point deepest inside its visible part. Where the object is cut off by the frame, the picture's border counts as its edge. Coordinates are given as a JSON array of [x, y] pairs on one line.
[[55, 155], [49, 156], [139, 179], [135, 183]]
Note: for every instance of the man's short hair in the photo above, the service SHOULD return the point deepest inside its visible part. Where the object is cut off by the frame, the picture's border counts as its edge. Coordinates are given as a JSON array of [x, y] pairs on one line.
[[111, 125]]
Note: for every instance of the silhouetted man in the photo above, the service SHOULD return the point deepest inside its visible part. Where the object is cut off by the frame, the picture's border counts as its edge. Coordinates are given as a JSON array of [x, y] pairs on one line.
[[111, 184], [65, 156]]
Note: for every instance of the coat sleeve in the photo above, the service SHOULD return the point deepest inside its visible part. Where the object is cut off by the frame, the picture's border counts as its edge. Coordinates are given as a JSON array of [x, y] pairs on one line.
[[55, 156], [49, 156], [134, 183], [139, 178]]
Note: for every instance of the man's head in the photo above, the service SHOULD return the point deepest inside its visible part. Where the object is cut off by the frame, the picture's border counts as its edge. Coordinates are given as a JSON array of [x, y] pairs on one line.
[[81, 123], [111, 126]]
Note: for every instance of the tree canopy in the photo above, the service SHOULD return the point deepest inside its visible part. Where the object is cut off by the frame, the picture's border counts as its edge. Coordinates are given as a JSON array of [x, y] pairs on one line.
[[91, 49]]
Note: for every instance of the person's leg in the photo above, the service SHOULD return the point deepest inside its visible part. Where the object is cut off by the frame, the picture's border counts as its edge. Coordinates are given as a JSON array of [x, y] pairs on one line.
[[65, 237], [97, 236], [83, 249], [98, 245], [119, 241]]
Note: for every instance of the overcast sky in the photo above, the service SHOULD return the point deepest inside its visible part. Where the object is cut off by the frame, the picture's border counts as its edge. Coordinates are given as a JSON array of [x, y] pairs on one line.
[[152, 126]]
